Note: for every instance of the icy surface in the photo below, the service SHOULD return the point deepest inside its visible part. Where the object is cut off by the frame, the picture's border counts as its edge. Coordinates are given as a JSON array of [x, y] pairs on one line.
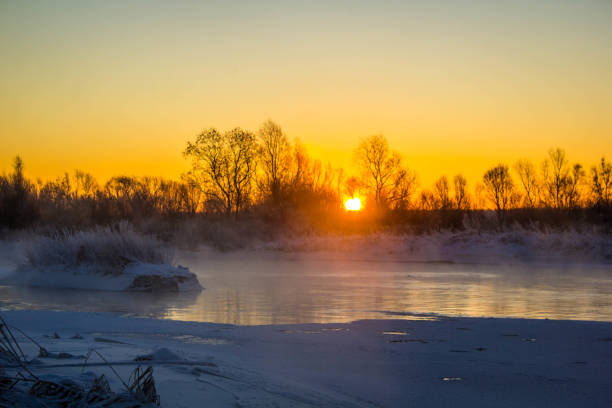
[[162, 354], [459, 362]]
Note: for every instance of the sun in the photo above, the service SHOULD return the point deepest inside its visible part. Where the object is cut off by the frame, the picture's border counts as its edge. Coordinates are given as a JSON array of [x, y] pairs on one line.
[[353, 204]]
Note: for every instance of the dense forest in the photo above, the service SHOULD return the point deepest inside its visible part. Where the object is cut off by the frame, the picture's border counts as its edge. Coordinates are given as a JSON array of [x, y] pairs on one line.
[[263, 179]]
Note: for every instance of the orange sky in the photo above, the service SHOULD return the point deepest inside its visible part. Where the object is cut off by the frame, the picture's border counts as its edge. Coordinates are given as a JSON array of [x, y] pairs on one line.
[[119, 87]]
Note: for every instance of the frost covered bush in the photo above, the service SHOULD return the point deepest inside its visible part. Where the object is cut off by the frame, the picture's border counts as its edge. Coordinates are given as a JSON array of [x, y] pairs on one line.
[[105, 251]]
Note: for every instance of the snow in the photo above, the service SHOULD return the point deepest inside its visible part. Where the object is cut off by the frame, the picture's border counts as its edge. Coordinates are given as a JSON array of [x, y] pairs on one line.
[[100, 259], [434, 362], [513, 245], [103, 250], [162, 354], [135, 277], [422, 360]]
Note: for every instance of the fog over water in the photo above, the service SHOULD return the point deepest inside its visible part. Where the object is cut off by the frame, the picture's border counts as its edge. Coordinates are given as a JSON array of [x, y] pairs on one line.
[[269, 288]]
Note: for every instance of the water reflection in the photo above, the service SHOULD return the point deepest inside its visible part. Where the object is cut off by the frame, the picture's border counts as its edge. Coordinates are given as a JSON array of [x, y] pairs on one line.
[[139, 304], [273, 291]]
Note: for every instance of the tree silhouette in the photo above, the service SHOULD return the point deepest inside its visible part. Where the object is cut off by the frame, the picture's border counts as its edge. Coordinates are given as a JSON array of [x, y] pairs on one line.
[[441, 193], [17, 201], [275, 159], [462, 197], [555, 173], [382, 174], [601, 183], [225, 165], [499, 188], [531, 186]]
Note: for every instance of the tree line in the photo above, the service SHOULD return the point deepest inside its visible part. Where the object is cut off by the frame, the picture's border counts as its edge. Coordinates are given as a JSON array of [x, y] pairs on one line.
[[238, 173]]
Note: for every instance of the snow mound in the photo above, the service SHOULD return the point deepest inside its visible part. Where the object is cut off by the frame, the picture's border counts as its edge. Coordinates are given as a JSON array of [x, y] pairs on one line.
[[135, 277], [102, 259], [105, 251]]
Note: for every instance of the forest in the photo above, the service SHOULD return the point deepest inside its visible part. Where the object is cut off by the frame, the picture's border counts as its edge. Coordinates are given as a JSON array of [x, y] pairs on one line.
[[272, 185]]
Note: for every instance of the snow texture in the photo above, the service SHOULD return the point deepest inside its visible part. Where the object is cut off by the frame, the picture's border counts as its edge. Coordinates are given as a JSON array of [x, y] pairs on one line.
[[440, 362], [102, 259], [514, 245]]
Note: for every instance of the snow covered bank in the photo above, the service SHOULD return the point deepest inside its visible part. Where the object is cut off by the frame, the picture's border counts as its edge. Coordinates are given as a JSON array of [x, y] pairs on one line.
[[102, 259], [460, 362], [517, 245]]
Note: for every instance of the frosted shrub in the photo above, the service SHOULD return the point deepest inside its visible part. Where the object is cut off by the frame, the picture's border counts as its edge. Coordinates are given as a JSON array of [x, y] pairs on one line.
[[103, 250]]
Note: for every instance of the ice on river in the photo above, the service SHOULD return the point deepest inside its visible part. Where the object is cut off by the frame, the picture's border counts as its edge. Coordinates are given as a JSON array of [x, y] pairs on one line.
[[437, 362]]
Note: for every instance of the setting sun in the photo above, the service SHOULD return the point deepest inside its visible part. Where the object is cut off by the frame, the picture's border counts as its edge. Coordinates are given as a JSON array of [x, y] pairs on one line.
[[353, 204]]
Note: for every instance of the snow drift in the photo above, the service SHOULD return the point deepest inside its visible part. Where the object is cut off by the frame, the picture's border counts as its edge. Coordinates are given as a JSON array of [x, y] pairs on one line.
[[103, 259]]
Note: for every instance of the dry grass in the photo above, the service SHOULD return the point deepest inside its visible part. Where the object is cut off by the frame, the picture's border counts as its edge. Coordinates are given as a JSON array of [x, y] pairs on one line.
[[104, 250]]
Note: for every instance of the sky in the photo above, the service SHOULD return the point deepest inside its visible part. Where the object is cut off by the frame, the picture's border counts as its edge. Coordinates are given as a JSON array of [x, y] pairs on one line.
[[119, 87]]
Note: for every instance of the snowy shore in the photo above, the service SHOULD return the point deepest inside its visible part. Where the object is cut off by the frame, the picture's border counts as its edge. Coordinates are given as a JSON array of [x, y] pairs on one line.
[[459, 362], [512, 246]]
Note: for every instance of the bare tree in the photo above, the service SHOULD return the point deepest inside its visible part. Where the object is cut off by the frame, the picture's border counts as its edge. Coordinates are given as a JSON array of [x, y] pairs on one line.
[[462, 197], [573, 185], [526, 171], [382, 173], [601, 183], [225, 165], [499, 188], [403, 187], [299, 165], [192, 193], [119, 187], [85, 184], [275, 158], [480, 200], [562, 183], [555, 174], [441, 193], [427, 201]]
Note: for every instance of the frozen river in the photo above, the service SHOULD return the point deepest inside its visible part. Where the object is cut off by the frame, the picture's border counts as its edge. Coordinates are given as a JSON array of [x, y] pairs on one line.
[[269, 288]]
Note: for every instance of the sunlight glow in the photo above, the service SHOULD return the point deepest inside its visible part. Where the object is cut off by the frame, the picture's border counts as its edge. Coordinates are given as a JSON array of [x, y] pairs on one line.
[[353, 204]]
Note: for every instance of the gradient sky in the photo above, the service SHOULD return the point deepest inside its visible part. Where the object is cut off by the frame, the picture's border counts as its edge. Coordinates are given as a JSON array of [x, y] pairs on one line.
[[456, 86]]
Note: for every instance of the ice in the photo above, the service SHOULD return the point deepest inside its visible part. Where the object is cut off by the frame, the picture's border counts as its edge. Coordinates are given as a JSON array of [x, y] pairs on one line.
[[288, 365], [162, 354]]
